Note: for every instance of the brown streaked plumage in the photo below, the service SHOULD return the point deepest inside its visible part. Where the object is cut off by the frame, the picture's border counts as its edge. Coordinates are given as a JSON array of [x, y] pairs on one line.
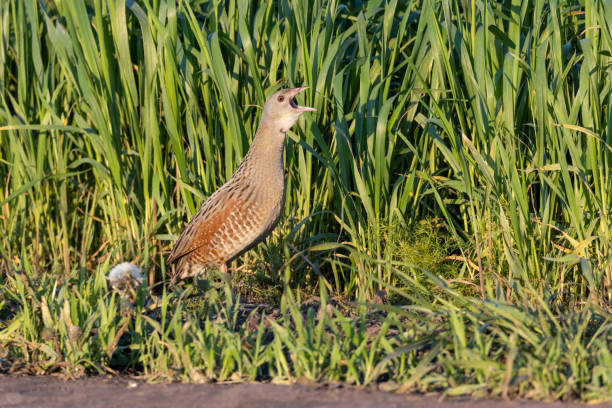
[[243, 211]]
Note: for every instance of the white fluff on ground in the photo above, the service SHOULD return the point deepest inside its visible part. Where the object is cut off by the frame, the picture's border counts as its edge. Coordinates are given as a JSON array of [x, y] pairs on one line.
[[123, 270]]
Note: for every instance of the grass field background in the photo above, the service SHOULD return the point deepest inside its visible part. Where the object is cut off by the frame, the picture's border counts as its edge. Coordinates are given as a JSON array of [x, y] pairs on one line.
[[459, 160]]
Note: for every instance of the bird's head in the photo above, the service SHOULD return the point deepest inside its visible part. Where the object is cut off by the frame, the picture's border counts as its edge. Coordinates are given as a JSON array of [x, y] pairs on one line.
[[281, 110]]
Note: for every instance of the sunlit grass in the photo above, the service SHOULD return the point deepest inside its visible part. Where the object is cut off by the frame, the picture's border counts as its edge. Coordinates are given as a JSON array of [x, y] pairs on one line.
[[442, 341], [459, 160]]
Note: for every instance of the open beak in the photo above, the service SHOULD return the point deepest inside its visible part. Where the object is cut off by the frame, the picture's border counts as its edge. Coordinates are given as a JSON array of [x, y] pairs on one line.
[[292, 93]]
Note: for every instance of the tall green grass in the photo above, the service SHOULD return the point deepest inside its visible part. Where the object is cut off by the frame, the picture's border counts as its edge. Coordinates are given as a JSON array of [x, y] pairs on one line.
[[463, 140], [117, 120]]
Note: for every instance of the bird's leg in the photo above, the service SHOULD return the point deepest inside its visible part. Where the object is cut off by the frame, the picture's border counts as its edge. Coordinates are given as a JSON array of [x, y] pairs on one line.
[[223, 270]]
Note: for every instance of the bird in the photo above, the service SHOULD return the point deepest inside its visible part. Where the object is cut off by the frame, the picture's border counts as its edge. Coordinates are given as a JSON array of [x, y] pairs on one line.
[[244, 210]]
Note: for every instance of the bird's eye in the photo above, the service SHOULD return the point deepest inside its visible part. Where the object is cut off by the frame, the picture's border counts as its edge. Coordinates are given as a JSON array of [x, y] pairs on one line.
[[281, 98]]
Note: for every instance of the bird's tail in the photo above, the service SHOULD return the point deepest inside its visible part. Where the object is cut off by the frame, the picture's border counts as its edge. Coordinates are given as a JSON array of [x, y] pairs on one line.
[[186, 269]]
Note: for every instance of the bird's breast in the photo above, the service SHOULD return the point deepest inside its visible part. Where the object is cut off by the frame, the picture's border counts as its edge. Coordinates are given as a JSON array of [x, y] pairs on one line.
[[272, 196]]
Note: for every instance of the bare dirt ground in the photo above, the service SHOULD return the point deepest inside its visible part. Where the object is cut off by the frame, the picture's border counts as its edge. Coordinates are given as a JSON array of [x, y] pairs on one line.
[[122, 392]]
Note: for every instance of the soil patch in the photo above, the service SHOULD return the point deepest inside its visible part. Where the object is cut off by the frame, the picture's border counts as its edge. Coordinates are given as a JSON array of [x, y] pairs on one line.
[[48, 391]]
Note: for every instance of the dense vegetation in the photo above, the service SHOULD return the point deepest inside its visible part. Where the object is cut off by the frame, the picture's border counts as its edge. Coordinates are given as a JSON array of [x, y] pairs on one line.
[[460, 159]]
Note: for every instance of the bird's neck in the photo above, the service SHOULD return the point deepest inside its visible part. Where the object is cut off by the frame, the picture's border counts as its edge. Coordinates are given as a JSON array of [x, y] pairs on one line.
[[265, 159], [268, 145]]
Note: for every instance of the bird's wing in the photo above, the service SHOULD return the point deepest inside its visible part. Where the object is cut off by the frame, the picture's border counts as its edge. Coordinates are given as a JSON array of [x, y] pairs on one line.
[[203, 226]]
